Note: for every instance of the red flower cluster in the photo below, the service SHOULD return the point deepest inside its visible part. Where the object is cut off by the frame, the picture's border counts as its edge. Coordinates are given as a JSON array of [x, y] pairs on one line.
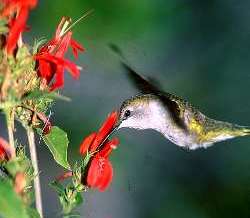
[[16, 12], [100, 171], [50, 57]]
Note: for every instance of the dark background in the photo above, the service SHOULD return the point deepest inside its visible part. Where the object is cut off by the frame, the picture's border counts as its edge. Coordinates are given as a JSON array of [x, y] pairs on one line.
[[196, 49]]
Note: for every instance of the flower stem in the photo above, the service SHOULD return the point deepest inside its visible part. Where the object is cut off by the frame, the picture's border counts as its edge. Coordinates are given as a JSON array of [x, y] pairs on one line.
[[37, 185], [10, 128]]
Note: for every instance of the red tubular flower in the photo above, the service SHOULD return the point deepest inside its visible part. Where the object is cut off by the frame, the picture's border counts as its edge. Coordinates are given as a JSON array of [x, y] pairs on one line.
[[105, 129], [100, 171], [50, 57], [16, 12]]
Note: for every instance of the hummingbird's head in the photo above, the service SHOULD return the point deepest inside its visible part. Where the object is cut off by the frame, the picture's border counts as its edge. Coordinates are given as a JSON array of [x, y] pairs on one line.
[[140, 112]]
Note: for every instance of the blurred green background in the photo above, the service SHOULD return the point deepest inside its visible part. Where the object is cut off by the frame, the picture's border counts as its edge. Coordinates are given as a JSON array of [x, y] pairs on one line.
[[196, 49]]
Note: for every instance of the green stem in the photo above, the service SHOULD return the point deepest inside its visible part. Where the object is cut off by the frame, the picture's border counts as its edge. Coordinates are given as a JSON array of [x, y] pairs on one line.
[[37, 185], [10, 128]]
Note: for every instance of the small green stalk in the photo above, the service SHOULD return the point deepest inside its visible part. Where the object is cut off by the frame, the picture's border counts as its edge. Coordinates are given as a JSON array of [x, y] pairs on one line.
[[34, 160], [10, 127]]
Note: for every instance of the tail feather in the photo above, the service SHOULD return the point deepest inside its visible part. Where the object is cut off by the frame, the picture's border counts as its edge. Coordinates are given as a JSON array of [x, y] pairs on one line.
[[245, 131], [225, 131]]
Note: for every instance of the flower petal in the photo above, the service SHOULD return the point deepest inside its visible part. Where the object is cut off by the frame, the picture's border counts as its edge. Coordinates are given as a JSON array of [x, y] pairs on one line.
[[95, 170], [86, 143], [105, 129], [59, 78], [16, 29], [62, 46], [108, 147], [45, 70], [72, 68], [11, 6], [106, 177], [2, 154], [100, 173], [76, 47], [5, 151]]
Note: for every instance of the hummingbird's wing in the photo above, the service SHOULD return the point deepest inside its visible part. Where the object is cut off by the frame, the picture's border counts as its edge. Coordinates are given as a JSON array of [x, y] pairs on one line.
[[146, 87], [167, 99], [141, 83]]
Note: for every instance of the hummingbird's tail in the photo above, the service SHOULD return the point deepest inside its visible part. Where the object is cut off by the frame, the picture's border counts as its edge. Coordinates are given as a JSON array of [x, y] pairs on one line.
[[245, 131], [238, 130], [223, 131]]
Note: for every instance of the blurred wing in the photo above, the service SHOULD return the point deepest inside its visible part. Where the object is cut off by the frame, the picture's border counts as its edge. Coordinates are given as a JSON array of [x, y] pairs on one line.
[[142, 84], [148, 88], [116, 50]]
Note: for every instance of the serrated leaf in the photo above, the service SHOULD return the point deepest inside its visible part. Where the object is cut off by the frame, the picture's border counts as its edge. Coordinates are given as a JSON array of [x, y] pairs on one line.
[[11, 204], [57, 142]]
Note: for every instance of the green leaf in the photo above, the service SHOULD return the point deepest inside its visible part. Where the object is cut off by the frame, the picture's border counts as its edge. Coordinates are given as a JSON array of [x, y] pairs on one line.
[[57, 142], [11, 204]]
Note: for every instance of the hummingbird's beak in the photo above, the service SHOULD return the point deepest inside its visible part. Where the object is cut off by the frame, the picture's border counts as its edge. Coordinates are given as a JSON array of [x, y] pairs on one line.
[[115, 128]]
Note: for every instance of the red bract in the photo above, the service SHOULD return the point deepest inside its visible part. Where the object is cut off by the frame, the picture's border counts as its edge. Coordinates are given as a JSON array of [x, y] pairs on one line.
[[16, 12], [51, 60], [100, 171]]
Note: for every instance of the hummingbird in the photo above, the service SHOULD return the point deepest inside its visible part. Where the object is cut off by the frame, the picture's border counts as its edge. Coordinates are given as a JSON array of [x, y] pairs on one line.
[[172, 116]]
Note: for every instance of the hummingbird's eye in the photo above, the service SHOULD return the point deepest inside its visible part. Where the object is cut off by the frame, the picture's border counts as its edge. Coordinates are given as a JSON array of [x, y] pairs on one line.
[[127, 113]]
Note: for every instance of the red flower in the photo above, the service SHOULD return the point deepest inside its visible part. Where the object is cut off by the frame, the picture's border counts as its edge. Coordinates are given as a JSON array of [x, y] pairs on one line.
[[100, 171], [16, 12], [5, 153], [50, 57]]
